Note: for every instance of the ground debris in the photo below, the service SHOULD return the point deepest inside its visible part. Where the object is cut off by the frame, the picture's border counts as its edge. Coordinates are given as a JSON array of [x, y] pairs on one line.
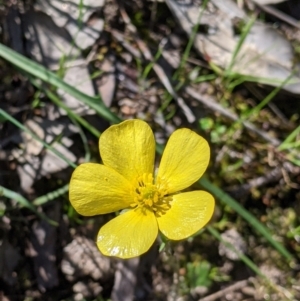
[[125, 280], [42, 250], [86, 289], [9, 258], [81, 257], [48, 44], [233, 237], [106, 83], [80, 21], [34, 160], [264, 54]]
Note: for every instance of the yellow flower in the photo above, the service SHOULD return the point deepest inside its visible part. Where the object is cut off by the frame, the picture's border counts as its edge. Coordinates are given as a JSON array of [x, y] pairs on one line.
[[153, 201]]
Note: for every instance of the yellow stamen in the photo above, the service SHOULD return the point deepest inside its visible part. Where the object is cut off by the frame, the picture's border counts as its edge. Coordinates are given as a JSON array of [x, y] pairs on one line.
[[151, 195]]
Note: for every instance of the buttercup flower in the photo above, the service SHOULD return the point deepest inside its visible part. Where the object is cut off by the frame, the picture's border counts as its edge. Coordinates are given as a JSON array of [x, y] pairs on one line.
[[152, 201]]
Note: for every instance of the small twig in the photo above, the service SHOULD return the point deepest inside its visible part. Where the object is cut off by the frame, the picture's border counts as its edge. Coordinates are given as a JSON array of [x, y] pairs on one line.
[[271, 176], [242, 190], [120, 38], [236, 286]]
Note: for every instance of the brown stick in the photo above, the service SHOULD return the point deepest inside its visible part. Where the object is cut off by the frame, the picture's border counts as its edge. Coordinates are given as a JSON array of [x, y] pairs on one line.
[[236, 286]]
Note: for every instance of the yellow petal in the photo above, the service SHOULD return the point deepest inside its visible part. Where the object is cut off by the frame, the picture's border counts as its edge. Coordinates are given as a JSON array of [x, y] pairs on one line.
[[189, 212], [128, 235], [128, 148], [184, 160], [97, 189]]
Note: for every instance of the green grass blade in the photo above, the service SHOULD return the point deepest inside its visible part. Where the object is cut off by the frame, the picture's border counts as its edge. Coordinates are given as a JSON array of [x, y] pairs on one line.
[[243, 257], [55, 99], [245, 31], [62, 190], [268, 98], [293, 159], [24, 203], [238, 78], [50, 196], [25, 129], [251, 219], [47, 76], [288, 140], [289, 145], [191, 40], [149, 66]]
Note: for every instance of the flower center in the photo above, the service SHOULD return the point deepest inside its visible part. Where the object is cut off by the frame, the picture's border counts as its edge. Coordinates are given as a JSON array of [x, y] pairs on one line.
[[150, 195]]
